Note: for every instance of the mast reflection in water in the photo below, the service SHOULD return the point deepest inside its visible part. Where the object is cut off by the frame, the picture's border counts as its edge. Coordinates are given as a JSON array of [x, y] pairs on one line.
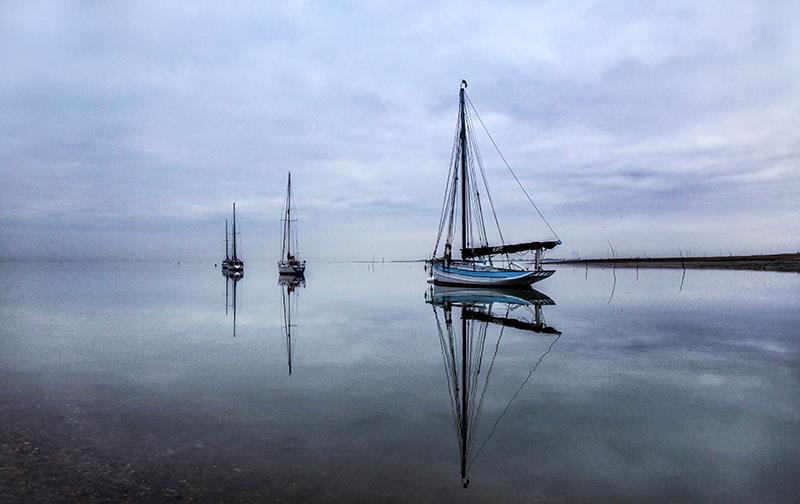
[[480, 309], [230, 300], [289, 284]]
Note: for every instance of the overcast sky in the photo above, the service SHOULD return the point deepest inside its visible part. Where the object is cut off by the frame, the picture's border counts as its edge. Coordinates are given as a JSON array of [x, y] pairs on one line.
[[127, 129]]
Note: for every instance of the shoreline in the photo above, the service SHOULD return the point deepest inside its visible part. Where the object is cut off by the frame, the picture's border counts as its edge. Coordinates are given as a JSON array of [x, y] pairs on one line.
[[769, 262]]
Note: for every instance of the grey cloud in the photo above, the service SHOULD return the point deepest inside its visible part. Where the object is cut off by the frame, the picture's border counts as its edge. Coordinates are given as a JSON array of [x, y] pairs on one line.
[[137, 119]]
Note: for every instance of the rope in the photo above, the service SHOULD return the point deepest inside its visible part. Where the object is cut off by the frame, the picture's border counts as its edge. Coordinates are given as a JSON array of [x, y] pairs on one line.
[[485, 181], [509, 168], [521, 386], [449, 194]]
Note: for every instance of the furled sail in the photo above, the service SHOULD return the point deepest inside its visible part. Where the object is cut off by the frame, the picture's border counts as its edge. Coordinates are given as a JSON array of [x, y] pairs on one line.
[[508, 249]]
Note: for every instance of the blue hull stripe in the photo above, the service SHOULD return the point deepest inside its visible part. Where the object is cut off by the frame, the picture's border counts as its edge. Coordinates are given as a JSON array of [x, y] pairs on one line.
[[483, 274]]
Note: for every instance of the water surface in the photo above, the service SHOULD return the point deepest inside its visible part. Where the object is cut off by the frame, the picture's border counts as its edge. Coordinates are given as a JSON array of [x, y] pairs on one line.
[[127, 380]]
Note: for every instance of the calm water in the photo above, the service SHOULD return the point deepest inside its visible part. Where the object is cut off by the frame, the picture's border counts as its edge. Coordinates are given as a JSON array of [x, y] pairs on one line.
[[654, 390]]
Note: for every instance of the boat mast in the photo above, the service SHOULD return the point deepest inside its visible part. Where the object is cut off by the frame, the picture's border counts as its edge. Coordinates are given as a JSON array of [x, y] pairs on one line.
[[227, 255], [463, 141], [234, 232], [289, 217]]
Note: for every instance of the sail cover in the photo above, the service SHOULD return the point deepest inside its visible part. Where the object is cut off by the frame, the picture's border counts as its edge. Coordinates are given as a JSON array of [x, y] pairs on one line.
[[487, 250]]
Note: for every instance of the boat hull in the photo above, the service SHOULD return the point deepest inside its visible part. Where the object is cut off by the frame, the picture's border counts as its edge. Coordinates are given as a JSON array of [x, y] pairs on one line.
[[485, 277]]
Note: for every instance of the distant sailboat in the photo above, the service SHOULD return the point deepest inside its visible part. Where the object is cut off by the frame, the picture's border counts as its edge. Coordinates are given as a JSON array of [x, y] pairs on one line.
[[476, 268], [290, 262], [468, 376], [235, 264]]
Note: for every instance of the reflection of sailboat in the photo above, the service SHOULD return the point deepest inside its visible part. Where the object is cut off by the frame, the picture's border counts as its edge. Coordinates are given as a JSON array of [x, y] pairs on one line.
[[230, 301], [463, 357], [289, 283]]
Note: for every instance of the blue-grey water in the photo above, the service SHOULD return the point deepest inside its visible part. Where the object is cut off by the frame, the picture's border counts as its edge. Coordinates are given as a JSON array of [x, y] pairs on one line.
[[125, 381]]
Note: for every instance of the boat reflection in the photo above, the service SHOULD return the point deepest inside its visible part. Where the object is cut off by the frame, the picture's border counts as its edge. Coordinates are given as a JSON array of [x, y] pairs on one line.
[[230, 300], [289, 285], [468, 376]]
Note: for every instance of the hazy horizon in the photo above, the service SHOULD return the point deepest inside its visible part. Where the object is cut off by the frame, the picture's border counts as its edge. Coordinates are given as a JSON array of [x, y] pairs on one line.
[[128, 129]]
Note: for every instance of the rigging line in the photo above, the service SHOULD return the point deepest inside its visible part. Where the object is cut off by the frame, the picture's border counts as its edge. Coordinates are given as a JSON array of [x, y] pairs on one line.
[[477, 357], [489, 374], [474, 411], [444, 212], [485, 240], [521, 386], [476, 154], [476, 200], [446, 198], [467, 200], [454, 375], [476, 160], [485, 181], [474, 354], [448, 215], [453, 193], [510, 170], [449, 367]]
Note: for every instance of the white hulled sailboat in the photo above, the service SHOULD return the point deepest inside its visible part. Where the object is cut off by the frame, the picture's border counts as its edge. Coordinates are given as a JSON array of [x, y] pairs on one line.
[[476, 267], [290, 262]]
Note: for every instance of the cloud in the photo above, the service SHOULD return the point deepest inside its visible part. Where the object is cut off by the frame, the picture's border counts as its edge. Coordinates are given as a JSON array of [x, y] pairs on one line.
[[142, 119]]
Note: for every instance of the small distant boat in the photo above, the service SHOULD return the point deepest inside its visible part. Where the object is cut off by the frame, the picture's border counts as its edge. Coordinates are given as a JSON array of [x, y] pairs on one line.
[[476, 268], [290, 262], [232, 263]]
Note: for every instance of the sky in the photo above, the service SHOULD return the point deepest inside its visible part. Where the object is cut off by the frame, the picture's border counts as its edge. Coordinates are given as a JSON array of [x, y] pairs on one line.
[[127, 129]]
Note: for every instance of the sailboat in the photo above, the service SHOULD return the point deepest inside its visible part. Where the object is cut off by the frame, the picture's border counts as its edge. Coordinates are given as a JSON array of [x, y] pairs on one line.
[[476, 265], [468, 376], [290, 262], [289, 283], [235, 264]]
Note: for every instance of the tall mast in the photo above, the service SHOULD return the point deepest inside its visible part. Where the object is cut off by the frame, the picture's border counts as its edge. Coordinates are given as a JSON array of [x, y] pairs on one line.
[[463, 141], [227, 256], [289, 217], [234, 231]]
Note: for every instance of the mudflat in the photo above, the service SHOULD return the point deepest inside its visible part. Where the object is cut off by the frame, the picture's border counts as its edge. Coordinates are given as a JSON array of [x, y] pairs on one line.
[[770, 262]]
